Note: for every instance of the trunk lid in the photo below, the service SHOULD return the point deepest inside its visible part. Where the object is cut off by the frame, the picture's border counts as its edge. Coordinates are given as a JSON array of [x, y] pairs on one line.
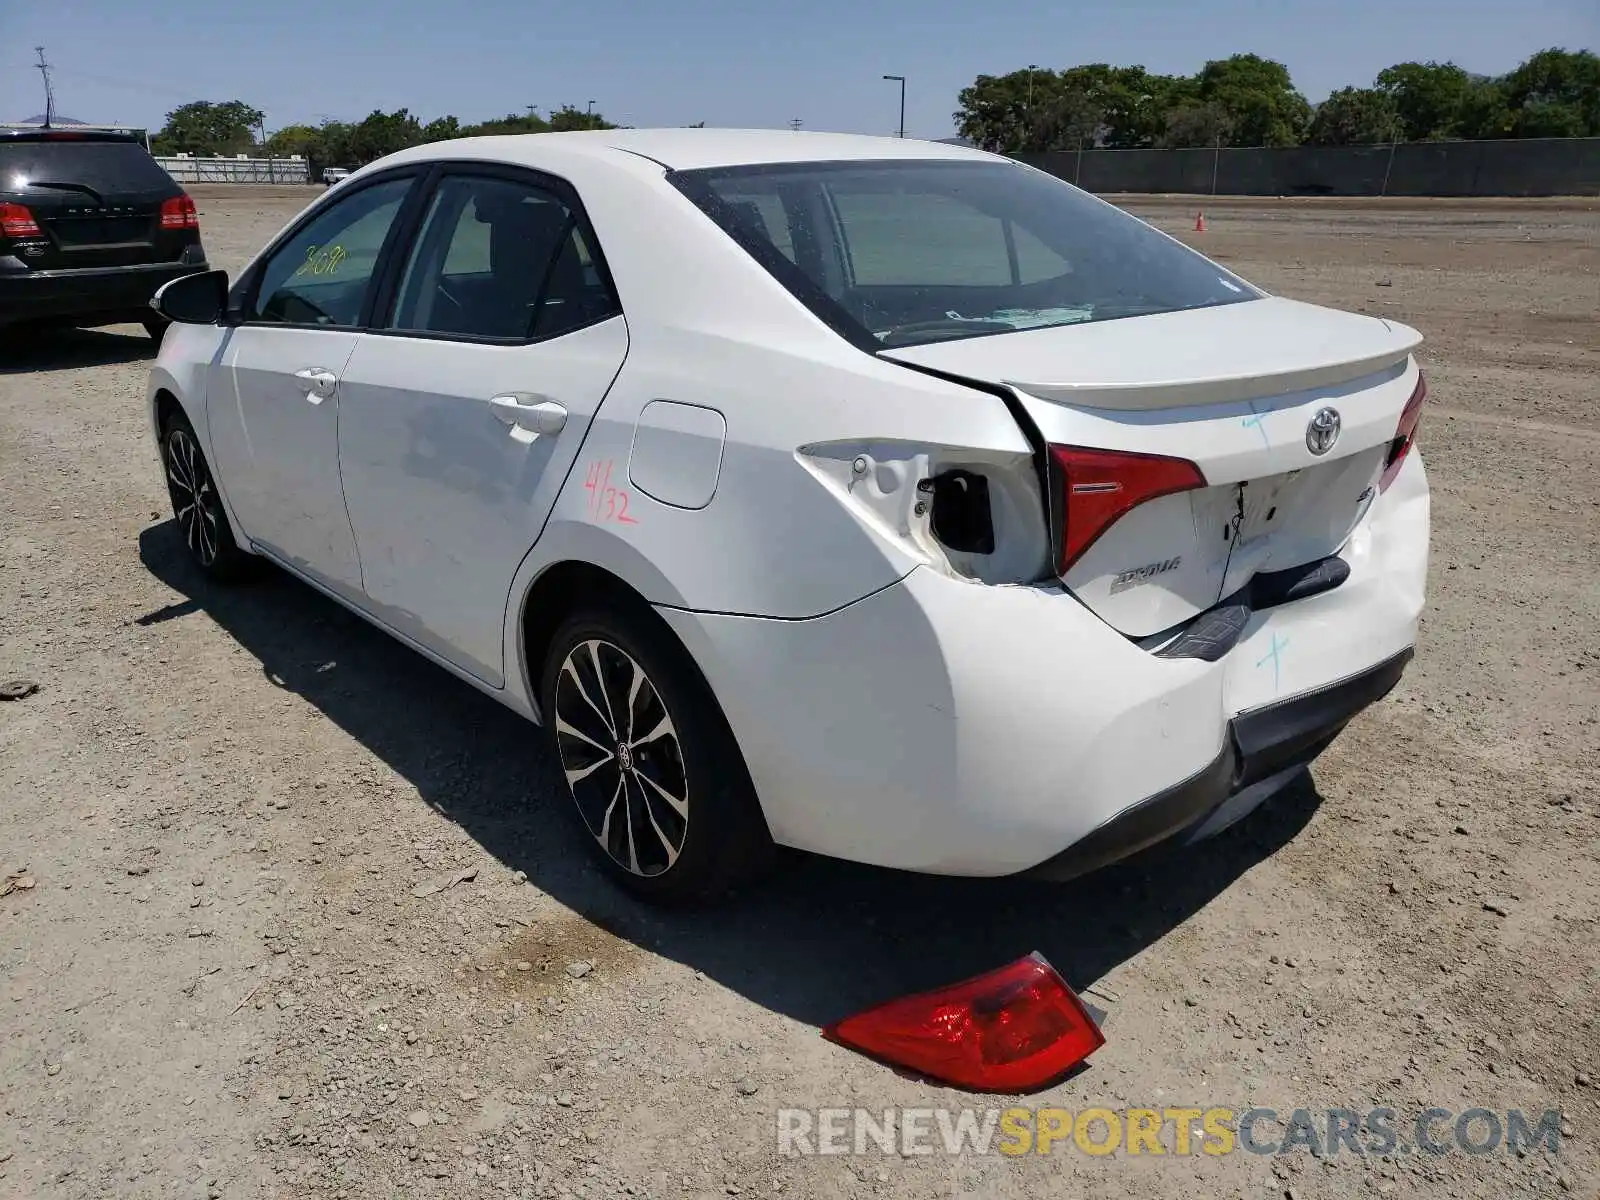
[[1232, 389]]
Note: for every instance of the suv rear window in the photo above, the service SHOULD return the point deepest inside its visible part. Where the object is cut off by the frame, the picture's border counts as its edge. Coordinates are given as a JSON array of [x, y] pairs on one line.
[[109, 167], [903, 252]]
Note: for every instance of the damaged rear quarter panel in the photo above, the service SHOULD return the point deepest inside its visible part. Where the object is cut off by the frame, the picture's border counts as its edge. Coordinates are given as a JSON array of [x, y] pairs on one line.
[[793, 529]]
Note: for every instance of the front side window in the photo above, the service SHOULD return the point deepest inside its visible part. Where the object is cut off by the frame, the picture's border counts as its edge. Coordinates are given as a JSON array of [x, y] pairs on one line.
[[321, 274], [500, 259], [905, 252]]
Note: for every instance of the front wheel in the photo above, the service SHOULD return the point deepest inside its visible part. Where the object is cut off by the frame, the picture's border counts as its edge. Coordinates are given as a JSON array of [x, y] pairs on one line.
[[654, 774], [196, 505]]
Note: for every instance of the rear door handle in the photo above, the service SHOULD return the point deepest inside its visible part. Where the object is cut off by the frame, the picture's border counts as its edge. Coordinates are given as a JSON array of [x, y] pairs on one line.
[[319, 382], [528, 415]]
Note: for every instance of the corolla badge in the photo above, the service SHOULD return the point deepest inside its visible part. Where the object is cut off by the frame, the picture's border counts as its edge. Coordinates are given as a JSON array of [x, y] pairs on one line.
[[1323, 431]]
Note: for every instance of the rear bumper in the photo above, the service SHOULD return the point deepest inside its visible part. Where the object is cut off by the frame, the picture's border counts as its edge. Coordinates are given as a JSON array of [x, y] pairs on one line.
[[1260, 746], [956, 728], [102, 294]]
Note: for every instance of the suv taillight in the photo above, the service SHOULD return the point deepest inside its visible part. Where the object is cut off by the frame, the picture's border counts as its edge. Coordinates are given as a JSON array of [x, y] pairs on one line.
[[178, 212], [1097, 487], [17, 222], [1405, 434]]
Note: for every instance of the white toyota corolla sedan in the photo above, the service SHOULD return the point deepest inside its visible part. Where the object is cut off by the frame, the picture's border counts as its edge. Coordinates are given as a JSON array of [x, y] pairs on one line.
[[880, 498]]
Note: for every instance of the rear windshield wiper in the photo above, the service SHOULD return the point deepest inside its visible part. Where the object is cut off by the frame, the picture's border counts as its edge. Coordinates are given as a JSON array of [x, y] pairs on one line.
[[68, 187]]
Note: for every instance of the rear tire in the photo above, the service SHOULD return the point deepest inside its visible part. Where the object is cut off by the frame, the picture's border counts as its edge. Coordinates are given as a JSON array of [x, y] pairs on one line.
[[197, 505], [654, 775]]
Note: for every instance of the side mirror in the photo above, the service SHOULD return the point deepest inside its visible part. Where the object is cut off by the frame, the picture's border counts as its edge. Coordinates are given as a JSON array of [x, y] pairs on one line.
[[193, 299]]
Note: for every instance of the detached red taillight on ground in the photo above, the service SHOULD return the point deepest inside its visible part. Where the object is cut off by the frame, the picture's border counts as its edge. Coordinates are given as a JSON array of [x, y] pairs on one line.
[[17, 222], [178, 212], [1405, 435], [1010, 1030], [1099, 486]]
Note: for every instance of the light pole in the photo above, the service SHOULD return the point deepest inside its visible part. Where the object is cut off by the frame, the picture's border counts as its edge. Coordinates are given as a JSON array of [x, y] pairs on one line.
[[901, 80], [591, 108]]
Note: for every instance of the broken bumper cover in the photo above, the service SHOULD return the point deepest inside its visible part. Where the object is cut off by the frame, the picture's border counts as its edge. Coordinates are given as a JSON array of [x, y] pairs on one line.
[[955, 728], [1260, 746]]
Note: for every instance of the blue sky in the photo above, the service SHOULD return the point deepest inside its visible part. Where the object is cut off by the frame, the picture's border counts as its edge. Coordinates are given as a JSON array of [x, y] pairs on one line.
[[726, 63]]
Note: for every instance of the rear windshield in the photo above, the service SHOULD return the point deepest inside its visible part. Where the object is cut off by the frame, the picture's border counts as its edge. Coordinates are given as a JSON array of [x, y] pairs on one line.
[[104, 166], [905, 252]]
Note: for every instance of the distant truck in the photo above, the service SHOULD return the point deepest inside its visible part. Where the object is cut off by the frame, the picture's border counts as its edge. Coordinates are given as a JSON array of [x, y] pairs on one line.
[[332, 175]]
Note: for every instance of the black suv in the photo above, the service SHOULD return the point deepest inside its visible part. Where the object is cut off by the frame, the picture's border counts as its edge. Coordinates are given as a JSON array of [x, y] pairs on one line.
[[90, 227]]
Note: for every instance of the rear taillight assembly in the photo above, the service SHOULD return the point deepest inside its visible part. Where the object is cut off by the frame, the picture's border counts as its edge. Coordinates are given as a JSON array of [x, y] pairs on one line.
[[1405, 434], [1098, 487], [17, 222], [178, 212], [1011, 1030]]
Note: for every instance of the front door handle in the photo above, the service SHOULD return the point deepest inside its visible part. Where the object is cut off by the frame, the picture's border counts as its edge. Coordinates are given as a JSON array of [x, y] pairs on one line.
[[319, 382], [528, 414]]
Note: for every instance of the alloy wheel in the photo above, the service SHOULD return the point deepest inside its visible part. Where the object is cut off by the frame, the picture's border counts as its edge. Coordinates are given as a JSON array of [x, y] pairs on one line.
[[194, 496], [622, 758]]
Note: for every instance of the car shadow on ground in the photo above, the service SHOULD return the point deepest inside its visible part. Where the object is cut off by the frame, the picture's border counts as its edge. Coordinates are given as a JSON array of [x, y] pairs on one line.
[[819, 941], [54, 349]]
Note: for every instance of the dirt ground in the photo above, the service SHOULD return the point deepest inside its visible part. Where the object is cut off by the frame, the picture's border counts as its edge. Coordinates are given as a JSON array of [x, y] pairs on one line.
[[224, 980]]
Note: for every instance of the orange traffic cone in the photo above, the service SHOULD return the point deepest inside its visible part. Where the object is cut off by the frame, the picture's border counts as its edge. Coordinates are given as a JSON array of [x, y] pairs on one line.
[[1200, 221]]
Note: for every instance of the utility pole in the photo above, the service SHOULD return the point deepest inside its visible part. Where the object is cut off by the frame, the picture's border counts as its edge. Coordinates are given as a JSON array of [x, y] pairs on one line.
[[49, 93], [591, 108], [795, 123], [901, 79]]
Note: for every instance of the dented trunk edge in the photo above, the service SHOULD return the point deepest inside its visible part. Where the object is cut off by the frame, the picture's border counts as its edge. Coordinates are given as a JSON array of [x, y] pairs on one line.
[[1043, 471]]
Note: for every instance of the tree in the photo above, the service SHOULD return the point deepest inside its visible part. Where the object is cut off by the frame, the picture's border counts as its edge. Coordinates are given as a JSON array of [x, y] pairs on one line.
[[380, 133], [1069, 120], [204, 127], [441, 129], [1484, 111], [1428, 97], [304, 140], [1259, 97], [1556, 93], [570, 118], [995, 110], [1354, 117], [510, 123], [1207, 124]]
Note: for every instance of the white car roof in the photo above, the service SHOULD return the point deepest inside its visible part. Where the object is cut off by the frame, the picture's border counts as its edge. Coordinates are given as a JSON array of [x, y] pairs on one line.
[[689, 149]]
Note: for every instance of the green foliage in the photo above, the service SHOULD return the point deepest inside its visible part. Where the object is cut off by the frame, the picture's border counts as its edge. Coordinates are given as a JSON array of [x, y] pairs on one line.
[[1248, 100], [1259, 97], [1354, 117], [1041, 109], [441, 129], [1198, 123], [379, 133], [204, 127], [1556, 93], [294, 139], [1428, 98]]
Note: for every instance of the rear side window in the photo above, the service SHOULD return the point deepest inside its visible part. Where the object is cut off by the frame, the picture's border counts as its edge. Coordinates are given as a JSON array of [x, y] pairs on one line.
[[503, 260], [904, 252], [110, 168]]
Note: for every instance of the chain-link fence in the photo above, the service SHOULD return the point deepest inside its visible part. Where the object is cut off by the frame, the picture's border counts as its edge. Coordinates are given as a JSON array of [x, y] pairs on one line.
[[1521, 167]]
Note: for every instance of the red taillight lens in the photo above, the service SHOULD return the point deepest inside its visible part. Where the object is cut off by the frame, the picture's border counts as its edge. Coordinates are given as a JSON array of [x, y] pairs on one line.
[[1405, 434], [17, 222], [1011, 1030], [1099, 486], [178, 212]]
